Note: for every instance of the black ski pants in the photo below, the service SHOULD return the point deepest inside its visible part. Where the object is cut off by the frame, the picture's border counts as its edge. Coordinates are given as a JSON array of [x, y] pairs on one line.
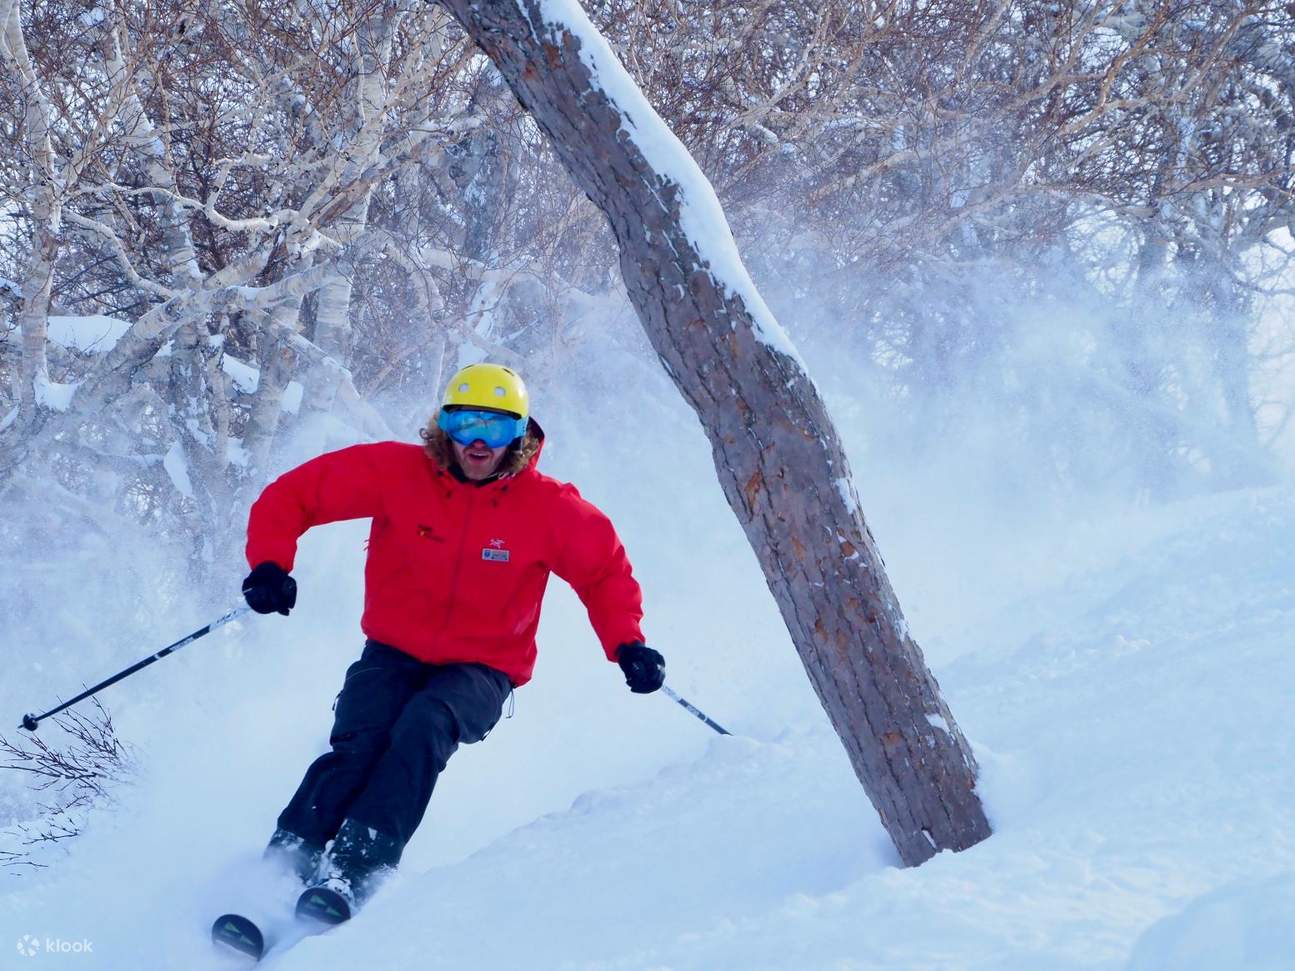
[[397, 722]]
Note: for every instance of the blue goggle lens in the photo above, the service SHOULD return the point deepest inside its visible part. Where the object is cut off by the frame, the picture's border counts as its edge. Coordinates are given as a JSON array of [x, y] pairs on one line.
[[468, 426]]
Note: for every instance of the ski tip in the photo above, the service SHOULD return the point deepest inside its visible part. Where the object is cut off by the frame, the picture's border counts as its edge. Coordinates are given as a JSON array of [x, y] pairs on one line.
[[323, 905], [235, 932]]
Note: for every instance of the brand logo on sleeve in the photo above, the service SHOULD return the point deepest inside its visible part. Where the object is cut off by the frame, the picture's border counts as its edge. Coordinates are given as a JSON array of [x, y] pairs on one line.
[[495, 552]]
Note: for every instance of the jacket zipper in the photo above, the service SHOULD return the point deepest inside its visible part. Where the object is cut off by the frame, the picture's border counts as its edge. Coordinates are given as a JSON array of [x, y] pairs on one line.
[[458, 560]]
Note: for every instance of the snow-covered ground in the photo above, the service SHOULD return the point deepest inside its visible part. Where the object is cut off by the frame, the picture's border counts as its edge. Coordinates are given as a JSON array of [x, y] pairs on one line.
[[1127, 691], [1124, 675]]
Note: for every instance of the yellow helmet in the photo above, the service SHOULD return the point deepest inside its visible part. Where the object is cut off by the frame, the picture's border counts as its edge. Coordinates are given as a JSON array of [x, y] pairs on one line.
[[491, 386]]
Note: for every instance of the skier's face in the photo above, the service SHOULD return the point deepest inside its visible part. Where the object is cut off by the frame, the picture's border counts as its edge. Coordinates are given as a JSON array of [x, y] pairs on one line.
[[478, 460]]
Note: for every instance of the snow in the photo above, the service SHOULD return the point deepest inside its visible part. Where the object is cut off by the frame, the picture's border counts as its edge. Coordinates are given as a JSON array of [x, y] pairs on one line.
[[247, 379], [96, 333], [178, 469], [700, 213], [846, 490], [292, 396], [1124, 679], [237, 453], [1128, 707], [55, 395], [1245, 924]]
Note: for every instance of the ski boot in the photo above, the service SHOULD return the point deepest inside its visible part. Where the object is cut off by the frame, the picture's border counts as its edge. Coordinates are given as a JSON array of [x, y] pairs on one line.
[[355, 865], [294, 855]]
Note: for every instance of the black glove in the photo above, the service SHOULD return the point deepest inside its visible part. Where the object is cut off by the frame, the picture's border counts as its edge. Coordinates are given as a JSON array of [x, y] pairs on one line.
[[644, 668], [269, 588]]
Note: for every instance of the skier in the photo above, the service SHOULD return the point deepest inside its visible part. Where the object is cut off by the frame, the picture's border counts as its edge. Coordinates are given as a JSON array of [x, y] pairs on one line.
[[465, 534]]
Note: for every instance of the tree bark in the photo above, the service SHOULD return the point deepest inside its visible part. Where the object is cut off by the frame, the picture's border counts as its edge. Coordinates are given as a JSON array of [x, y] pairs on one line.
[[777, 453], [180, 258], [277, 363], [373, 38], [44, 200]]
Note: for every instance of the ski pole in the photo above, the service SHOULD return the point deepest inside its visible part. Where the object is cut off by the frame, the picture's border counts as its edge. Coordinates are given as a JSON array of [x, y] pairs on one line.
[[30, 722], [694, 710]]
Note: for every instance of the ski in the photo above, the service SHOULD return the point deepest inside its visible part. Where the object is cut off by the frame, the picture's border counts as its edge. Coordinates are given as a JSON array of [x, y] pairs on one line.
[[238, 933], [323, 906], [243, 936]]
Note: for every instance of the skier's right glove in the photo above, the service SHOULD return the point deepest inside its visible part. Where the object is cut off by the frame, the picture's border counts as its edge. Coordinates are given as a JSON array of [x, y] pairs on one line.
[[644, 668], [269, 588]]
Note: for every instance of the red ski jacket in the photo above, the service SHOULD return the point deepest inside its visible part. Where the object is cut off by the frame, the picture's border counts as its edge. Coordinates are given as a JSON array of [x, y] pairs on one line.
[[455, 571]]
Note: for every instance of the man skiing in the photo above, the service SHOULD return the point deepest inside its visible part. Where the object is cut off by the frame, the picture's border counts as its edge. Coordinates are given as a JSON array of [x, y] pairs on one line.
[[465, 534]]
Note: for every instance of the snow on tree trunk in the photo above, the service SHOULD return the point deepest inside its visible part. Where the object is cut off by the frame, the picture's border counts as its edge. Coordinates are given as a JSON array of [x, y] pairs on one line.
[[777, 454]]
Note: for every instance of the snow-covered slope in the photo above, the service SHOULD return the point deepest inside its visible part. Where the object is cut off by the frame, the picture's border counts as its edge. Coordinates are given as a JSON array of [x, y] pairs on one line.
[[1130, 714]]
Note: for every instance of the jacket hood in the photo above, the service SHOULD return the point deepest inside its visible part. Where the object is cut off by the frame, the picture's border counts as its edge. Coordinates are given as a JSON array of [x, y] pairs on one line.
[[536, 433]]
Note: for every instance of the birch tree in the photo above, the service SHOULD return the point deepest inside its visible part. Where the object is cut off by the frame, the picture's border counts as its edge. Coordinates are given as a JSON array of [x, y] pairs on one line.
[[44, 192], [223, 184]]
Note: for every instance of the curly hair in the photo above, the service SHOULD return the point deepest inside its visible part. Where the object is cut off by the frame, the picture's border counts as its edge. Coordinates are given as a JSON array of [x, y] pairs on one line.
[[439, 448]]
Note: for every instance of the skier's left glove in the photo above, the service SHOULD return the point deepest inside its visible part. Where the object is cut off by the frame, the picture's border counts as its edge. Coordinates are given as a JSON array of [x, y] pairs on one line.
[[269, 588], [644, 668]]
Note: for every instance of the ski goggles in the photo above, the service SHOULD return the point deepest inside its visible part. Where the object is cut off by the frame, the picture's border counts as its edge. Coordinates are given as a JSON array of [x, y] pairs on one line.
[[495, 428]]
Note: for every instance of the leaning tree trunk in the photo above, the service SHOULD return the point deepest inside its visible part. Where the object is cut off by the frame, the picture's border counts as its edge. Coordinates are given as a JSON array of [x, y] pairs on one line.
[[777, 454]]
